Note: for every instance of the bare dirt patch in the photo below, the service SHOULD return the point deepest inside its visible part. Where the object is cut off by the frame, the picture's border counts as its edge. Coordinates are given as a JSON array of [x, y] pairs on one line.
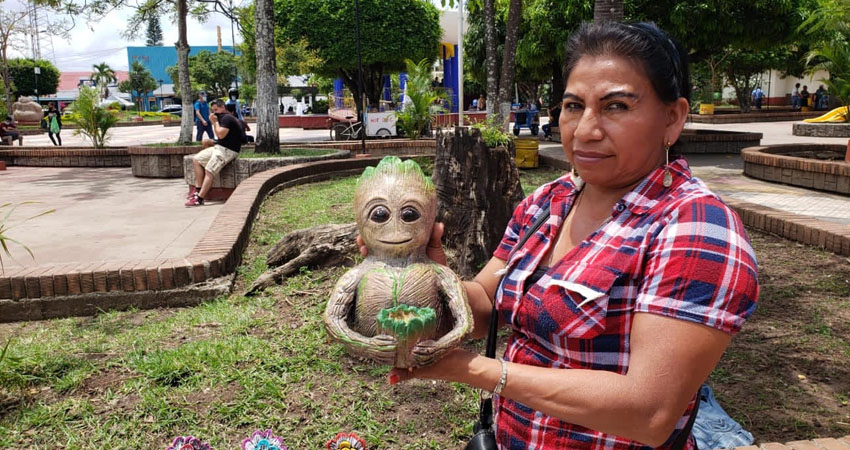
[[786, 376]]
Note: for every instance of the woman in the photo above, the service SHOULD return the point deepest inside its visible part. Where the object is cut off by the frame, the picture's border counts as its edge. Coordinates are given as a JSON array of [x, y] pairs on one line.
[[623, 302], [54, 124]]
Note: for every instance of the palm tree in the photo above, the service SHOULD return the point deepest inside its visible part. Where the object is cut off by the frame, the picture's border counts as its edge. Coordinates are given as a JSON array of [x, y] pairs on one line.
[[102, 76]]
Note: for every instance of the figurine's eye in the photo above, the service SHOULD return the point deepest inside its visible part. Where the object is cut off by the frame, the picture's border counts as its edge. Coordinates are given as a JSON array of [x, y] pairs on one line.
[[379, 214], [410, 214]]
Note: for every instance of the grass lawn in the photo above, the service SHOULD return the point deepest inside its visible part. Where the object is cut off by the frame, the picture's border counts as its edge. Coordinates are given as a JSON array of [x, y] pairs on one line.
[[136, 379]]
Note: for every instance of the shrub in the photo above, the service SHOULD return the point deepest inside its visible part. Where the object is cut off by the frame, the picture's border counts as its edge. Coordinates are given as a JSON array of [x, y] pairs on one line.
[[93, 120], [492, 134], [320, 107], [419, 105]]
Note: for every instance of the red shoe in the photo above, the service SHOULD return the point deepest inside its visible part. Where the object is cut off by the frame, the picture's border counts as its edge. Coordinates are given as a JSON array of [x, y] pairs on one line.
[[195, 201], [192, 191]]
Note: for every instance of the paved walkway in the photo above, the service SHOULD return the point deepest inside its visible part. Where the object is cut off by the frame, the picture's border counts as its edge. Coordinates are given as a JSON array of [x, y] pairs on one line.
[[102, 214], [123, 136]]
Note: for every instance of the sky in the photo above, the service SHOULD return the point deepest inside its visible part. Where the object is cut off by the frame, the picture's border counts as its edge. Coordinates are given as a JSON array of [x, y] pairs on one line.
[[93, 43]]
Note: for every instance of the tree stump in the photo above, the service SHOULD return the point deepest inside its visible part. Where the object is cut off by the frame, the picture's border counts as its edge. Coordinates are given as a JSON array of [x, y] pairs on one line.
[[322, 246], [478, 188]]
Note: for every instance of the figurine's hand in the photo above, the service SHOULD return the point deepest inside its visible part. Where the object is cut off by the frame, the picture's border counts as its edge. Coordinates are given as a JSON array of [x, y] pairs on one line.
[[426, 353], [434, 249], [383, 348]]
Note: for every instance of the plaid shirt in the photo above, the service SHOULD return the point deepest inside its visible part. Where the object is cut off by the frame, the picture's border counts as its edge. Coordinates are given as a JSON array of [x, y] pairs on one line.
[[679, 252]]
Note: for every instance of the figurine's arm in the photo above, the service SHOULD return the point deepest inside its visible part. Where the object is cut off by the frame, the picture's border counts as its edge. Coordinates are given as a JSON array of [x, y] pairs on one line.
[[427, 352], [381, 348]]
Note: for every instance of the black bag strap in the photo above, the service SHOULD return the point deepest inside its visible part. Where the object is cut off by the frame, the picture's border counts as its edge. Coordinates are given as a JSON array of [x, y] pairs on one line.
[[682, 439], [486, 409]]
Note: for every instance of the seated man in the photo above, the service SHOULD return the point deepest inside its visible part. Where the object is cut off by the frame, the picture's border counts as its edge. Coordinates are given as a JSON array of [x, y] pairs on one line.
[[9, 131], [554, 116], [209, 161]]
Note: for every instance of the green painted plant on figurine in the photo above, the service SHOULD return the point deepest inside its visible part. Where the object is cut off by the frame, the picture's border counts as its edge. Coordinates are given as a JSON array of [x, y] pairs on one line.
[[409, 325]]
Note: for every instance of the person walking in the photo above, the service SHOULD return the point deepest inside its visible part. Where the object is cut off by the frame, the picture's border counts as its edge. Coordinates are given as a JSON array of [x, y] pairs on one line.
[[795, 97], [202, 117], [758, 97], [54, 124]]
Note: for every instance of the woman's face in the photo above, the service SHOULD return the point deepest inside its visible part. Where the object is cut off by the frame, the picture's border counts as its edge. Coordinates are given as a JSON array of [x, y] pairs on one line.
[[613, 125]]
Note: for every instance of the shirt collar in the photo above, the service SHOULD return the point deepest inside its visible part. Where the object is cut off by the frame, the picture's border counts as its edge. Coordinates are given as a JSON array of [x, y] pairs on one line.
[[651, 190], [646, 194]]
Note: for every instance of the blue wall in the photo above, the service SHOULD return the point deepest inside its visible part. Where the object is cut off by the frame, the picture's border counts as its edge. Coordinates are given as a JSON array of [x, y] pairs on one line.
[[156, 59]]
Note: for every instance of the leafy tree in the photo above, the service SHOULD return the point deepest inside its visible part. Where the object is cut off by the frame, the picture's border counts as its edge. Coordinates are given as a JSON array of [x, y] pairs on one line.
[[93, 121], [829, 24], [23, 73], [102, 76], [390, 32], [140, 83], [211, 72], [742, 69], [153, 32], [12, 23], [608, 10]]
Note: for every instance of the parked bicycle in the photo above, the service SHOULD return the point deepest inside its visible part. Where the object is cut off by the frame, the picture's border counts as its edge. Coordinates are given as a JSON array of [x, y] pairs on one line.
[[345, 131]]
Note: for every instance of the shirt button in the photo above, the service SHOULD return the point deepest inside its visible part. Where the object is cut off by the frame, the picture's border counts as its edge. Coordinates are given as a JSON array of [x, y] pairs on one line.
[[620, 207]]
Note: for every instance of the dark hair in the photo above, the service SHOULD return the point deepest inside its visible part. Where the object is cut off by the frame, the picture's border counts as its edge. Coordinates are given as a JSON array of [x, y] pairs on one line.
[[8, 117], [663, 59], [230, 107], [217, 102]]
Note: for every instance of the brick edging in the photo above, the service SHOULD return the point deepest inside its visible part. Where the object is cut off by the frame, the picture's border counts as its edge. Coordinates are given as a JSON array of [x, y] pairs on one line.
[[62, 290], [770, 163], [830, 236], [839, 443]]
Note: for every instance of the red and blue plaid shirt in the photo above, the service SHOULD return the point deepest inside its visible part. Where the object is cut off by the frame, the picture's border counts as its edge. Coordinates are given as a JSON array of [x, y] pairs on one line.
[[679, 252]]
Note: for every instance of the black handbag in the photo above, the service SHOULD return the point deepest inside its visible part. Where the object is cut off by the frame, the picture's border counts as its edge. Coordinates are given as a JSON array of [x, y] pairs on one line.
[[484, 438]]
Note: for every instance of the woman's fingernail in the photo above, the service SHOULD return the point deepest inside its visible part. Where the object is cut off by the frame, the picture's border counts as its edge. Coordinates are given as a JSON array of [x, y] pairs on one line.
[[393, 378]]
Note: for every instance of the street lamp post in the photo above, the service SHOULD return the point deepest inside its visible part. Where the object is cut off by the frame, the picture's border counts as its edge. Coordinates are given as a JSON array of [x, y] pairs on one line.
[[233, 44], [360, 115], [37, 71]]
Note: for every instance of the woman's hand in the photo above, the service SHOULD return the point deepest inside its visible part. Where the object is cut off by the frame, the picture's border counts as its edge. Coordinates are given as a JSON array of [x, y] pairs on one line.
[[455, 366], [434, 250]]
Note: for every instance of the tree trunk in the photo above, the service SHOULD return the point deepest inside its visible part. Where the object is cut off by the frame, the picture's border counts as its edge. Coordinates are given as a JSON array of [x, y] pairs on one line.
[[268, 137], [188, 116], [608, 10], [558, 85], [477, 189], [7, 84], [506, 76], [490, 46], [322, 246]]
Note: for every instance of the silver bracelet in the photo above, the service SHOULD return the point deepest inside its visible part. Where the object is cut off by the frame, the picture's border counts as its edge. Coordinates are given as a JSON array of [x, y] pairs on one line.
[[502, 379]]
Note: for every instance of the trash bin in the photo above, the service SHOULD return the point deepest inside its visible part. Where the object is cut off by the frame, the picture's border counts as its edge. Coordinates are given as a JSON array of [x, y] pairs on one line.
[[526, 153]]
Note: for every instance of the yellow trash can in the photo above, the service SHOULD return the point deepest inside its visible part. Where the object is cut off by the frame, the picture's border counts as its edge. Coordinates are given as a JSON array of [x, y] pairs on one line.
[[526, 153], [706, 109]]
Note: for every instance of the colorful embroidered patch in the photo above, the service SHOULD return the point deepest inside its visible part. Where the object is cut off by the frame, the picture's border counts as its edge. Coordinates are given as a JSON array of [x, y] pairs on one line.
[[188, 443], [263, 440], [345, 441]]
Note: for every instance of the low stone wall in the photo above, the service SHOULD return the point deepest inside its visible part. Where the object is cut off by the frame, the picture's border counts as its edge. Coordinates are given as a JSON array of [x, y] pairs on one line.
[[159, 162], [776, 163], [377, 147], [66, 157], [754, 116], [242, 168], [821, 129], [307, 122], [717, 141]]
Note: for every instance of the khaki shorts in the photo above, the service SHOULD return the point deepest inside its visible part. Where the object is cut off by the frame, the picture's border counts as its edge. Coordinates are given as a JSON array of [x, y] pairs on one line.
[[215, 158]]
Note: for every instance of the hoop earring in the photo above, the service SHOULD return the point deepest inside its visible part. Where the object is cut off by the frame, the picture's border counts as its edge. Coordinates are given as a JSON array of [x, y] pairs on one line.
[[577, 181], [668, 178]]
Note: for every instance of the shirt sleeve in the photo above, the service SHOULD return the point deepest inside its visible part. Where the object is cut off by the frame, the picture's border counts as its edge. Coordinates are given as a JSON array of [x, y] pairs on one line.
[[701, 268], [511, 236]]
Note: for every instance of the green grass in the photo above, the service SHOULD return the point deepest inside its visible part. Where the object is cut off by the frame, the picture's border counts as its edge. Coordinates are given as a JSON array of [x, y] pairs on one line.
[[135, 379]]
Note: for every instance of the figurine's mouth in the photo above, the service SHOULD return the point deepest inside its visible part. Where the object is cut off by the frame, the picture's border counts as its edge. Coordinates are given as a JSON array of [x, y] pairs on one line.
[[395, 243]]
